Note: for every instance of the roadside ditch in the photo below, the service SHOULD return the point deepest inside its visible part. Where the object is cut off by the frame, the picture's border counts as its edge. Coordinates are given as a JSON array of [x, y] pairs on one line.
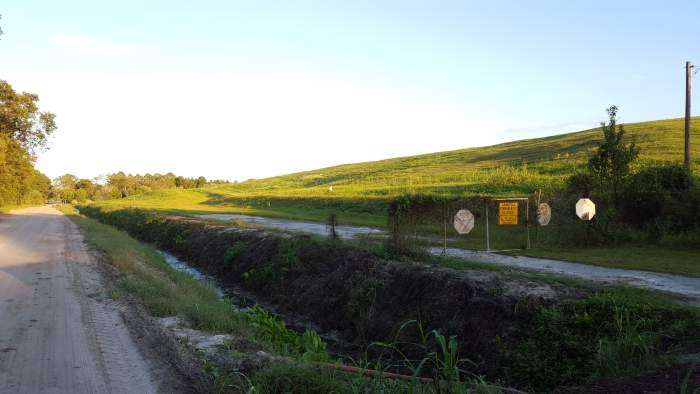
[[499, 322]]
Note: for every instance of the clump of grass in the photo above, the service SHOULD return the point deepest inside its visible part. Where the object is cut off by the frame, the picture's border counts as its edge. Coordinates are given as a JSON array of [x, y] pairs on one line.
[[630, 348]]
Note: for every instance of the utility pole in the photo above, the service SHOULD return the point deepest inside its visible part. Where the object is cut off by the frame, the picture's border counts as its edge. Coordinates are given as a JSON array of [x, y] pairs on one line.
[[688, 68]]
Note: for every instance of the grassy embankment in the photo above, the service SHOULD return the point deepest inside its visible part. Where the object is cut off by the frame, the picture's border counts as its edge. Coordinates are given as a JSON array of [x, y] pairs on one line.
[[361, 191]]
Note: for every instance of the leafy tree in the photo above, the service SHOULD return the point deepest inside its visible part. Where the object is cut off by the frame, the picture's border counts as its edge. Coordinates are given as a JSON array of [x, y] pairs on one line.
[[17, 174], [611, 163], [21, 120], [22, 127], [120, 182], [64, 187], [608, 172], [81, 195], [66, 181]]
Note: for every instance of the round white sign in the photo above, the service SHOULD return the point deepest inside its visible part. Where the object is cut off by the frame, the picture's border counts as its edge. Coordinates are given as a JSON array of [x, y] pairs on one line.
[[544, 214], [585, 209], [464, 221]]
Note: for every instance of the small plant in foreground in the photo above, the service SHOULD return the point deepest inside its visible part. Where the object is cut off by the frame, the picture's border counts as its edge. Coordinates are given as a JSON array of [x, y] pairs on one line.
[[443, 364], [308, 346]]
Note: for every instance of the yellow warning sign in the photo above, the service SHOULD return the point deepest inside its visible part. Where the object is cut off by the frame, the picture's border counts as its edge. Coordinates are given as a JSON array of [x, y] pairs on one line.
[[507, 212]]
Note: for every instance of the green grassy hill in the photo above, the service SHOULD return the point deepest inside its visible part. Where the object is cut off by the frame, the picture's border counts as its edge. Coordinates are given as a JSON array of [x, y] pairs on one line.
[[512, 167], [361, 190]]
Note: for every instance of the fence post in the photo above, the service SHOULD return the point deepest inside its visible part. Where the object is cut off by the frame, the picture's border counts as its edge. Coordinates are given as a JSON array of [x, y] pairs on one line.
[[527, 221], [488, 245], [444, 222]]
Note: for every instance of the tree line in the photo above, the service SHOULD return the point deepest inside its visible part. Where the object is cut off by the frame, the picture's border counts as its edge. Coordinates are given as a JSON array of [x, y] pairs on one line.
[[24, 131], [69, 188]]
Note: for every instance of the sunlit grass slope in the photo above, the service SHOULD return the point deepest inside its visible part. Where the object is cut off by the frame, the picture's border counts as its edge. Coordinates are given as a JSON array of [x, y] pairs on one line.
[[360, 190]]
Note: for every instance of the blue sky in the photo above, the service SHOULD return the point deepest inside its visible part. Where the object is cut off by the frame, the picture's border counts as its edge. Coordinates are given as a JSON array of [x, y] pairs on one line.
[[249, 89]]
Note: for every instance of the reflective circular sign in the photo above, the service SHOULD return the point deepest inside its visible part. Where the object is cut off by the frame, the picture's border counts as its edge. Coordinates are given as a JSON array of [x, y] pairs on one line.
[[585, 209], [544, 214], [464, 221]]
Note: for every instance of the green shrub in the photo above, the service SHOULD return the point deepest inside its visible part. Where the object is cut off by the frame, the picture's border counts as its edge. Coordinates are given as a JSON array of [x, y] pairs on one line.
[[608, 334], [284, 261], [233, 252], [660, 196]]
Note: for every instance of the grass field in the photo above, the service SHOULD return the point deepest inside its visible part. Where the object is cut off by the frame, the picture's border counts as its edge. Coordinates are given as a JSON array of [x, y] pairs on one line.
[[361, 192]]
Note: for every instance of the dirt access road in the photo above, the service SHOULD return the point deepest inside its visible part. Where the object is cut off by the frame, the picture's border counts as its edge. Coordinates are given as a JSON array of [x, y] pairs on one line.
[[58, 331]]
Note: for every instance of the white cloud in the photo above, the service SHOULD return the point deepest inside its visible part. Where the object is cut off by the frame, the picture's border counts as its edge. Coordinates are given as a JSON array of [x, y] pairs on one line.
[[89, 44]]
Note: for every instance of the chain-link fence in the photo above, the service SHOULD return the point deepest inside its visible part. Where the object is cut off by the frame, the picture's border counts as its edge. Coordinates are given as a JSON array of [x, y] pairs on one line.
[[485, 223]]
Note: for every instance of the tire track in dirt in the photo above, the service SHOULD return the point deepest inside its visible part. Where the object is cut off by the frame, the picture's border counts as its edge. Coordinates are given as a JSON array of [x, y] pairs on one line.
[[122, 365]]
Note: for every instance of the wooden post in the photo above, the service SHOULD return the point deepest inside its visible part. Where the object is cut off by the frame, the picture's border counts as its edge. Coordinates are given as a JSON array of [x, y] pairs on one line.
[[488, 240], [688, 68], [527, 221], [444, 222]]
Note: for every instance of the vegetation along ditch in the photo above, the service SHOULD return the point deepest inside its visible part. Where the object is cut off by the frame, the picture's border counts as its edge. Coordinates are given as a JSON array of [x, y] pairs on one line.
[[513, 330]]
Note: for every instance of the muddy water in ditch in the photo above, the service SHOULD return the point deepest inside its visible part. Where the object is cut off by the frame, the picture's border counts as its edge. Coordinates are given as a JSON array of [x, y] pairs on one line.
[[178, 265], [243, 300]]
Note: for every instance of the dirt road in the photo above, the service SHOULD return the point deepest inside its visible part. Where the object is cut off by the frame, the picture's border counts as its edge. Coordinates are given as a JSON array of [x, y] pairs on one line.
[[59, 333], [676, 284]]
